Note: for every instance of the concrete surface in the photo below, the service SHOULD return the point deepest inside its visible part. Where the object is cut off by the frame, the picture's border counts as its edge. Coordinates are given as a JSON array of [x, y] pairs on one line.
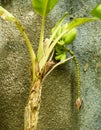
[[58, 111]]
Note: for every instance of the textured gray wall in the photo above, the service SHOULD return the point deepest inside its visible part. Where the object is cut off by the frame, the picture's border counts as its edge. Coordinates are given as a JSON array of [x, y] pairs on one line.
[[58, 111]]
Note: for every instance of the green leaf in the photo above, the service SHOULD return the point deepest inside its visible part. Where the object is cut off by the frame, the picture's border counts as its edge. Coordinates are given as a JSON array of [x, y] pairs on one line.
[[61, 57], [61, 42], [58, 24], [79, 21], [56, 28], [96, 12], [4, 14], [70, 36], [43, 7]]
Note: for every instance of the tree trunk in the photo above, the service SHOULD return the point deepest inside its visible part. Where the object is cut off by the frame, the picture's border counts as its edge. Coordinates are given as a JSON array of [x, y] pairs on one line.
[[33, 106]]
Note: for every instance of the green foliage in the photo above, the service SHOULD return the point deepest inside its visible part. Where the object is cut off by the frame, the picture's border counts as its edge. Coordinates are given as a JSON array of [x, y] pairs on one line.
[[50, 46], [80, 21], [60, 49], [70, 36], [43, 7], [56, 30], [61, 36], [67, 38], [60, 53], [68, 31], [96, 12]]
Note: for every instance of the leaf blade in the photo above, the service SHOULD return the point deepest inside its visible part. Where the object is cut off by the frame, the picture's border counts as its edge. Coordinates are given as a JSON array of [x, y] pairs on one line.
[[43, 6], [96, 12], [80, 21]]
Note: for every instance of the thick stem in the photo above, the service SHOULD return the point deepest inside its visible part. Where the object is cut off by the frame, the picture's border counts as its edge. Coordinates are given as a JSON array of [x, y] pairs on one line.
[[33, 106]]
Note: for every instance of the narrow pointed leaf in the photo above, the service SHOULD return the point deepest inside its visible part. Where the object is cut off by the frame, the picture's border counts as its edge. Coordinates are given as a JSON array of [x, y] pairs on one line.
[[79, 21], [4, 14], [58, 24], [96, 12], [61, 20], [43, 6]]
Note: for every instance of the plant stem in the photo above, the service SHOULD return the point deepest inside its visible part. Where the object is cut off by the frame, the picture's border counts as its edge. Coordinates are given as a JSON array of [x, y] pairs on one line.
[[56, 65], [40, 52], [33, 106], [40, 48], [77, 70], [49, 50], [31, 51]]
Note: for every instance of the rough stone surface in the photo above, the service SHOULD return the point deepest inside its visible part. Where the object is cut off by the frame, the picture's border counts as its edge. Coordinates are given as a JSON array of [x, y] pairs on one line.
[[58, 111]]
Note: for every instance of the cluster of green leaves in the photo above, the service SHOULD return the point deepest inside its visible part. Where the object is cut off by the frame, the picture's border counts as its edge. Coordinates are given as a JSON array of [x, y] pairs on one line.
[[67, 38], [60, 37]]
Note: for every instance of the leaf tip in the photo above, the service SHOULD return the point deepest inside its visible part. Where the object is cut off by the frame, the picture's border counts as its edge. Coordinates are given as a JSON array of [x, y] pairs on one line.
[[96, 12]]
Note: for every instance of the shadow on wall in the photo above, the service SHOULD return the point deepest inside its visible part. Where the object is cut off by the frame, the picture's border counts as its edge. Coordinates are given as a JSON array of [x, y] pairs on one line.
[[5, 2], [58, 111]]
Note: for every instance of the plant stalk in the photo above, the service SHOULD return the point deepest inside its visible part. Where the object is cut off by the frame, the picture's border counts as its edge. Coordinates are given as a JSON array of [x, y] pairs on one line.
[[40, 48], [49, 50], [77, 71], [33, 106], [31, 51], [56, 65], [40, 52]]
